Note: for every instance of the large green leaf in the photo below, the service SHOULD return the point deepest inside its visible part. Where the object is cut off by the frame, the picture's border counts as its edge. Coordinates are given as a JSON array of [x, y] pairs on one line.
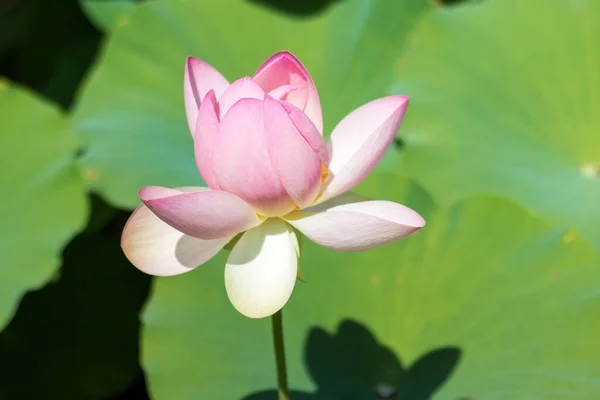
[[361, 373], [106, 14], [132, 112], [77, 337], [43, 202], [487, 302], [504, 98]]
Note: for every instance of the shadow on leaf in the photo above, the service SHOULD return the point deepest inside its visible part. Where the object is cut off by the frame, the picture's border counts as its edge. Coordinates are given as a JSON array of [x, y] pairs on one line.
[[77, 337], [351, 364], [297, 8]]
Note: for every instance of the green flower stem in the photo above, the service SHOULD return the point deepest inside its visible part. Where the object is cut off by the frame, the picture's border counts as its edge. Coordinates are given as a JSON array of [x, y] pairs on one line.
[[282, 382]]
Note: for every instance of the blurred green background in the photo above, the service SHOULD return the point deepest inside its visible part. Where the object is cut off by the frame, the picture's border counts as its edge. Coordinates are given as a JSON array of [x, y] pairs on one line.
[[498, 298]]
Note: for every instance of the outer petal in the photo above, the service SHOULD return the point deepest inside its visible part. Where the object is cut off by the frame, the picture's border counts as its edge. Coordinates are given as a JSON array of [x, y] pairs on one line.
[[357, 226], [244, 88], [207, 214], [241, 162], [206, 131], [292, 158], [359, 142], [283, 69], [261, 269], [156, 248], [199, 79]]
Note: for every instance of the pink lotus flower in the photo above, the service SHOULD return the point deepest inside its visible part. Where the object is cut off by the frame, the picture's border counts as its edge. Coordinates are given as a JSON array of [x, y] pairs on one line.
[[259, 147]]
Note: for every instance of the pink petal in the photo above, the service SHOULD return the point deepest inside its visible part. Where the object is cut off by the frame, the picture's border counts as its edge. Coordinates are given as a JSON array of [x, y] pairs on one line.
[[199, 79], [356, 226], [207, 214], [282, 91], [156, 248], [292, 158], [244, 88], [206, 131], [284, 68], [359, 142], [309, 131], [241, 162]]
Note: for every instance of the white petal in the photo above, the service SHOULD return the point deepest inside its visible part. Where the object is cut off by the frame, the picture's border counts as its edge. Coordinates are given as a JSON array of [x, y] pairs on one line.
[[158, 249], [261, 269], [356, 226]]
